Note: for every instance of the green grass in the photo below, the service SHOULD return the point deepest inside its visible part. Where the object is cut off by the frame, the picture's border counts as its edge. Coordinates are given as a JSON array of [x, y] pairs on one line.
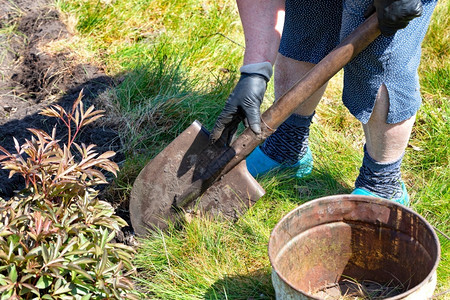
[[8, 33], [176, 61], [128, 33]]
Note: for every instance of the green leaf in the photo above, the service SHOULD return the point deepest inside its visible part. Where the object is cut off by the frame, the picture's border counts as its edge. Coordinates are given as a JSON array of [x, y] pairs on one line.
[[83, 240], [123, 255], [5, 232], [24, 279], [63, 289], [103, 262], [78, 270], [9, 285], [86, 297], [69, 246], [24, 290], [79, 287], [3, 256], [45, 254], [27, 288], [2, 280], [55, 262], [113, 268], [84, 260], [104, 238], [13, 273], [7, 295], [34, 252], [58, 283], [18, 258], [12, 245], [44, 282]]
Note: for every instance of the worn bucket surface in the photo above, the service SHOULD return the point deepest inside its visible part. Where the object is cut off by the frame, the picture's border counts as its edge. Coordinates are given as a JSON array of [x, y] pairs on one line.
[[348, 246], [153, 200]]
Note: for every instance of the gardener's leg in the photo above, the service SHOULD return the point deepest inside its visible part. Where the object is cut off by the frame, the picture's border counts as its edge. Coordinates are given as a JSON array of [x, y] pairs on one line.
[[381, 89], [288, 145], [287, 72], [385, 145], [302, 45], [386, 142]]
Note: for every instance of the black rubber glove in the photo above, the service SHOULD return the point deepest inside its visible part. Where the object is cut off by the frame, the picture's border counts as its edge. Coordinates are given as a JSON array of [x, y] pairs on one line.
[[243, 104], [395, 14]]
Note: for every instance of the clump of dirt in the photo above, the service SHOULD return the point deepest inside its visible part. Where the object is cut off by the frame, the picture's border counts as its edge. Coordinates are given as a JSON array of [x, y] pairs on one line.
[[32, 79]]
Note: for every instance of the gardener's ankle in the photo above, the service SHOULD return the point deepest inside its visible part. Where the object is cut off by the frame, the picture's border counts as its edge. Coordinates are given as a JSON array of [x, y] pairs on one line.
[[381, 179], [289, 143]]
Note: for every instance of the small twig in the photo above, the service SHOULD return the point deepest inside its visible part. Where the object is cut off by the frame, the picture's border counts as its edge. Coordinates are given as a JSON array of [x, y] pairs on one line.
[[223, 35], [441, 294], [443, 234], [165, 251]]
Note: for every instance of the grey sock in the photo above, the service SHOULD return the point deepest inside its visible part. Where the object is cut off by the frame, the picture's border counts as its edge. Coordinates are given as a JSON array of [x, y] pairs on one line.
[[382, 179], [289, 142]]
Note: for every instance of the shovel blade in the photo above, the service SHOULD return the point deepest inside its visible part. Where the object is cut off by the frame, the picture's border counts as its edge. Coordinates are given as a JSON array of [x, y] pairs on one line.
[[154, 194]]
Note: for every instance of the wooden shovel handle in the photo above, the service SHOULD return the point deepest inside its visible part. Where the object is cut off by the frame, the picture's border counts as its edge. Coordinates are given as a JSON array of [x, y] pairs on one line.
[[273, 117]]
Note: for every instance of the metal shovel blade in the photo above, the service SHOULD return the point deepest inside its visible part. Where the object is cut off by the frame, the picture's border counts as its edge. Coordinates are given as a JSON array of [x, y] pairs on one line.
[[153, 200]]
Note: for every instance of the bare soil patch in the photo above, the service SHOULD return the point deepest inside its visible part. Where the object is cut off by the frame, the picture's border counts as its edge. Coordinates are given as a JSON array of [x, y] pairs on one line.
[[32, 79]]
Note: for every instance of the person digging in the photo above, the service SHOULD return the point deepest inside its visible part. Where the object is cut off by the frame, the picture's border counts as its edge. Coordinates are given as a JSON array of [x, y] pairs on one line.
[[381, 85]]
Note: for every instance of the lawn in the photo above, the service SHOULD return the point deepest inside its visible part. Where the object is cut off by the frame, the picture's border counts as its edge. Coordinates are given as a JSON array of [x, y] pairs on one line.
[[178, 61]]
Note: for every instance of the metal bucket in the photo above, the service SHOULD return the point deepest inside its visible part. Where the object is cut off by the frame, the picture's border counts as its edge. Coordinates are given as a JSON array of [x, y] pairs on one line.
[[330, 247]]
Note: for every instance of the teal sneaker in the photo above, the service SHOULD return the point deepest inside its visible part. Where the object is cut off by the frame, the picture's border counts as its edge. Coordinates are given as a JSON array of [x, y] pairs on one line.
[[404, 199], [259, 164]]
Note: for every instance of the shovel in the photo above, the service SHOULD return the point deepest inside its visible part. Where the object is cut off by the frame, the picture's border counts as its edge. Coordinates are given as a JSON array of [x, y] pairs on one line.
[[192, 175]]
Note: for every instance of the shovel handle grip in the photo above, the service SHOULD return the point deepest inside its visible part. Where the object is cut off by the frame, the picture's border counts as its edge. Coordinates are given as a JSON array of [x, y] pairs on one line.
[[331, 64]]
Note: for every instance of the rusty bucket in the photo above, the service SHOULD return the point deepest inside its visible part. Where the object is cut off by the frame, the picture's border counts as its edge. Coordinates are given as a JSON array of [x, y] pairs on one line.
[[351, 246]]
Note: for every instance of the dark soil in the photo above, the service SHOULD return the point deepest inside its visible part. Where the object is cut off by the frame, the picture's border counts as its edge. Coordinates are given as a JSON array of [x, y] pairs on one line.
[[32, 79]]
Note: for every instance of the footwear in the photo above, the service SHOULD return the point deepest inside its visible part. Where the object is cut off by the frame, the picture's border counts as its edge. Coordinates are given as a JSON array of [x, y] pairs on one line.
[[404, 199], [259, 164]]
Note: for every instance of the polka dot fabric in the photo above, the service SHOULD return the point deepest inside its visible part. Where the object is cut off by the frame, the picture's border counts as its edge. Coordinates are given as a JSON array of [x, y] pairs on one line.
[[313, 28]]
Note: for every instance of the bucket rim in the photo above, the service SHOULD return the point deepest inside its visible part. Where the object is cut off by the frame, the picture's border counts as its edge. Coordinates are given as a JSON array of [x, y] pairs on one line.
[[351, 197]]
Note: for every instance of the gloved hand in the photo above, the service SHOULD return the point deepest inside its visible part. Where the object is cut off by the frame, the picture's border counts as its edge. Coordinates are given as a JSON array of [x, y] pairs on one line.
[[395, 14], [244, 102]]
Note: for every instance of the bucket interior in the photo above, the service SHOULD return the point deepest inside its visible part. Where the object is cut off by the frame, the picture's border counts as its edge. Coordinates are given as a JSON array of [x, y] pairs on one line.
[[342, 244]]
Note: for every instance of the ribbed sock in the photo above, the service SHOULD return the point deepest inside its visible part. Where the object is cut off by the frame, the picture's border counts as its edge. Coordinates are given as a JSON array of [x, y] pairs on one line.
[[381, 179], [289, 142]]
